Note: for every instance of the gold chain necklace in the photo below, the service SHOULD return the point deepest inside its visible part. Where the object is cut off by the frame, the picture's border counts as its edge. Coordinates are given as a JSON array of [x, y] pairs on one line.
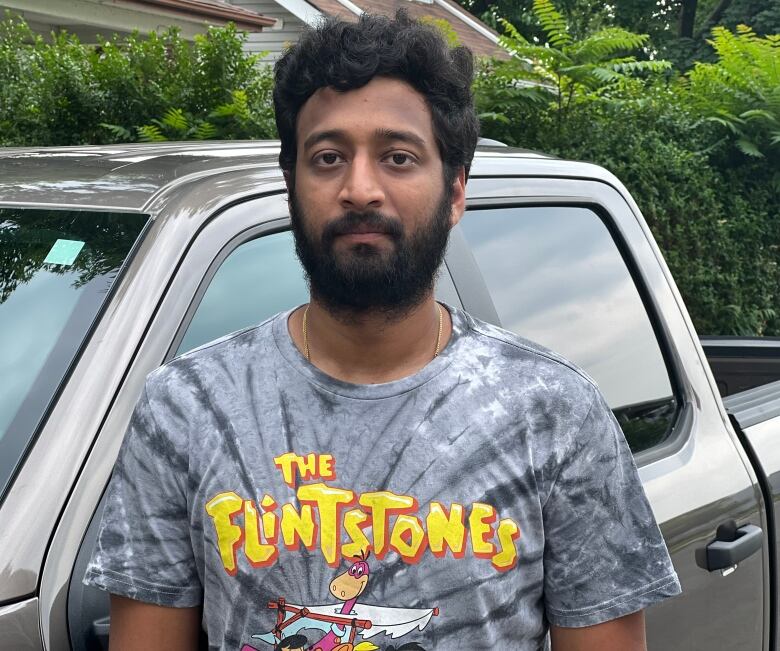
[[307, 351]]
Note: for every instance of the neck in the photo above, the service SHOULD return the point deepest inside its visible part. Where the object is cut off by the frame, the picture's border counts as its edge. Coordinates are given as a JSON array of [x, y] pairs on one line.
[[348, 606], [371, 348]]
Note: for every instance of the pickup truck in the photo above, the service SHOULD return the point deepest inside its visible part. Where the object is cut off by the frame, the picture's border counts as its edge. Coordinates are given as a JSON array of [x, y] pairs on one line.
[[114, 260]]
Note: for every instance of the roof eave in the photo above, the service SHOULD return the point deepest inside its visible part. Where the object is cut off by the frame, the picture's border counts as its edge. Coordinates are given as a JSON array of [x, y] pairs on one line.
[[243, 18]]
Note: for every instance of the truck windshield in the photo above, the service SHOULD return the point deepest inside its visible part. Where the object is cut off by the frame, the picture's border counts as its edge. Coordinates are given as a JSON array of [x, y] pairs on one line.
[[56, 269]]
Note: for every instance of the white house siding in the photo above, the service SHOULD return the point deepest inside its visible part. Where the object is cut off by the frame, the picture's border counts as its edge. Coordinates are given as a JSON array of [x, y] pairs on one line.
[[271, 39]]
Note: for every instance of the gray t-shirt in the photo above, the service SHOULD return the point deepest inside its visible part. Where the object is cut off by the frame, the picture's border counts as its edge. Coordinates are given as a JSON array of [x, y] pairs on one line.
[[493, 488]]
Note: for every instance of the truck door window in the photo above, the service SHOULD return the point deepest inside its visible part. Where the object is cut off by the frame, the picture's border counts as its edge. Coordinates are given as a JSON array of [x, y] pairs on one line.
[[57, 268], [556, 277], [258, 279]]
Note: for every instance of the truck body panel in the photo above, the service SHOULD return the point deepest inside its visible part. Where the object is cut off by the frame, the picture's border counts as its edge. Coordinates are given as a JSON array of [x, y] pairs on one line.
[[204, 202]]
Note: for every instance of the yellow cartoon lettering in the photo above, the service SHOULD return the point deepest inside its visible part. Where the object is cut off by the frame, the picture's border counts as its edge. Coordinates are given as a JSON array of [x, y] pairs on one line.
[[270, 519], [327, 467], [382, 505], [408, 538], [258, 553], [307, 466], [222, 508], [446, 530], [329, 502], [354, 521], [298, 527], [507, 532], [285, 463], [481, 519]]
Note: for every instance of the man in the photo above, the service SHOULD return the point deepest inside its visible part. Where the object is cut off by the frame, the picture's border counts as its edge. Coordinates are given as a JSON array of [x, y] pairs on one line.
[[485, 475]]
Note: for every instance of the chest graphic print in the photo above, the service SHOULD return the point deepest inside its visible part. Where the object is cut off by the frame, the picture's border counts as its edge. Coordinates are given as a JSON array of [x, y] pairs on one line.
[[348, 527]]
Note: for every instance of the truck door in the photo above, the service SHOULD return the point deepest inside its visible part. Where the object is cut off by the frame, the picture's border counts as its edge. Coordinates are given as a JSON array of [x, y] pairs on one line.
[[568, 264], [240, 270]]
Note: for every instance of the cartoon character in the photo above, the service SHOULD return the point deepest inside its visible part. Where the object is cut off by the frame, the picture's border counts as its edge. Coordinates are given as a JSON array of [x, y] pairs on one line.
[[346, 587], [343, 624], [292, 643]]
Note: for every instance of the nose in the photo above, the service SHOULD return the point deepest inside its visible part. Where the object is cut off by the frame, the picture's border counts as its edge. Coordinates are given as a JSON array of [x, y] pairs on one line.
[[362, 188]]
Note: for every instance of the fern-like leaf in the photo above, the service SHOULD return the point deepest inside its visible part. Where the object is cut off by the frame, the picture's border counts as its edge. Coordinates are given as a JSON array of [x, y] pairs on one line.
[[176, 120], [608, 42], [119, 132], [205, 131], [749, 148], [759, 114], [553, 23], [150, 133], [511, 31]]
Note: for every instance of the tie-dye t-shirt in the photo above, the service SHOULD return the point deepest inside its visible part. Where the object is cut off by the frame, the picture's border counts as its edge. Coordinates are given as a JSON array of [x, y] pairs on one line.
[[468, 506]]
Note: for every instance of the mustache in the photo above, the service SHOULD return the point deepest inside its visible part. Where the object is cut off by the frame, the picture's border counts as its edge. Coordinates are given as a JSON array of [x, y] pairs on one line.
[[352, 220]]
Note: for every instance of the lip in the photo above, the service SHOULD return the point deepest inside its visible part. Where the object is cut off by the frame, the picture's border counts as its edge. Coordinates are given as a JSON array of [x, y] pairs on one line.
[[365, 236], [364, 228]]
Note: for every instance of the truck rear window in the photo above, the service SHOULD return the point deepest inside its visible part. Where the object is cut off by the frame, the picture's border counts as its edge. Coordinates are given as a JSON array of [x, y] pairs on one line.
[[56, 270]]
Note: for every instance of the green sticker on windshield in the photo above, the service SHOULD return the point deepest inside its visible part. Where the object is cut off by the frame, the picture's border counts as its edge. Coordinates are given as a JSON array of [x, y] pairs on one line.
[[64, 252]]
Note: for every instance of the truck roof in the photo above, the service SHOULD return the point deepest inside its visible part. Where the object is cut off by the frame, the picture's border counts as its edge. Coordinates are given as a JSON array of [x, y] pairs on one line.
[[128, 177]]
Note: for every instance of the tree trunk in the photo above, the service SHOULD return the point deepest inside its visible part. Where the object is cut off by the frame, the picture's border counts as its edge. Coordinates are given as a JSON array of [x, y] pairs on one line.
[[687, 18], [715, 16]]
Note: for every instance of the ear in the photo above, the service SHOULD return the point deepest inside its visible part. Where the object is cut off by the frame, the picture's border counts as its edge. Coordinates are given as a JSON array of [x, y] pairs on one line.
[[458, 197]]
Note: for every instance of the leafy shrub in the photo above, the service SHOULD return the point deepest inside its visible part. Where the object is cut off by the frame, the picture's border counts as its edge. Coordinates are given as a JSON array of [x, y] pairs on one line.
[[741, 91], [132, 88], [714, 215], [699, 153], [569, 65]]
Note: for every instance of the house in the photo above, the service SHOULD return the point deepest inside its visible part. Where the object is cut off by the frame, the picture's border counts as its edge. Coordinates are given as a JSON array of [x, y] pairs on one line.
[[292, 15], [89, 19], [270, 24]]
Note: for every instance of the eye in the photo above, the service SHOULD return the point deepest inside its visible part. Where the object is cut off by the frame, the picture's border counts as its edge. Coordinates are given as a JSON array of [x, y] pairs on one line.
[[327, 158], [400, 159], [358, 572], [353, 570]]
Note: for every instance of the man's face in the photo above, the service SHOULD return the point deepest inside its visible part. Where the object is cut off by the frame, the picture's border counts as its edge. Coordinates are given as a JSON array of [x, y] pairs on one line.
[[371, 213]]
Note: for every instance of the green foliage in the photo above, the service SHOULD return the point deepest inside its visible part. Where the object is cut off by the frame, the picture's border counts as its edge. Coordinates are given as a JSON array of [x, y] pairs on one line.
[[233, 120], [583, 17], [445, 27], [140, 87], [674, 141], [573, 66], [741, 91], [699, 152]]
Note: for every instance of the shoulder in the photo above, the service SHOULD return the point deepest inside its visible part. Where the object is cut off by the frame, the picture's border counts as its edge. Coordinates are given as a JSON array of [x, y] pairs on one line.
[[525, 355], [213, 362], [521, 370]]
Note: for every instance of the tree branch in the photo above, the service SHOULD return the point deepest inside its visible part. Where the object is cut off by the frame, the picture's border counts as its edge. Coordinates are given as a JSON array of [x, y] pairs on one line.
[[714, 17], [687, 18]]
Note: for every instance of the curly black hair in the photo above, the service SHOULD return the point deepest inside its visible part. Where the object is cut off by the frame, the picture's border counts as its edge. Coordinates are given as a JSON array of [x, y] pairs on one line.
[[292, 642], [346, 56]]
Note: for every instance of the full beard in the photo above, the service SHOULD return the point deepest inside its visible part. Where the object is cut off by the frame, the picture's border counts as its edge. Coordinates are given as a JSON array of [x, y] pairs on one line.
[[366, 279]]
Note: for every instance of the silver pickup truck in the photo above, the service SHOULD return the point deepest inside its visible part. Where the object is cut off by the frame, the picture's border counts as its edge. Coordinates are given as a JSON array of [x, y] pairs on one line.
[[114, 260]]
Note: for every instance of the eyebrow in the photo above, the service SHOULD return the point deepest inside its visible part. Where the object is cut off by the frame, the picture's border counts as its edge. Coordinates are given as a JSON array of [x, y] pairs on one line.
[[384, 134], [402, 136], [319, 136]]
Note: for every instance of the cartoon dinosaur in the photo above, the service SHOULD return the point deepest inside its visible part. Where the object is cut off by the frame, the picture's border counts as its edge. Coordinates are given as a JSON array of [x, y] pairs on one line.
[[341, 625], [346, 587]]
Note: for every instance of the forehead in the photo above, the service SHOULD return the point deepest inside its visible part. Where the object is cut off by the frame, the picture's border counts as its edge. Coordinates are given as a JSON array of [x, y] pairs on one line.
[[382, 104]]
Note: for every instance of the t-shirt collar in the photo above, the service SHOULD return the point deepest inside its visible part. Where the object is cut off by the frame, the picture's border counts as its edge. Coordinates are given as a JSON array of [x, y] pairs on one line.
[[300, 364]]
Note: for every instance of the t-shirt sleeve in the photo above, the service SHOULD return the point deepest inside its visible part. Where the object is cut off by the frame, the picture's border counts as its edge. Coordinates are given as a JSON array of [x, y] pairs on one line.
[[143, 549], [604, 554]]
